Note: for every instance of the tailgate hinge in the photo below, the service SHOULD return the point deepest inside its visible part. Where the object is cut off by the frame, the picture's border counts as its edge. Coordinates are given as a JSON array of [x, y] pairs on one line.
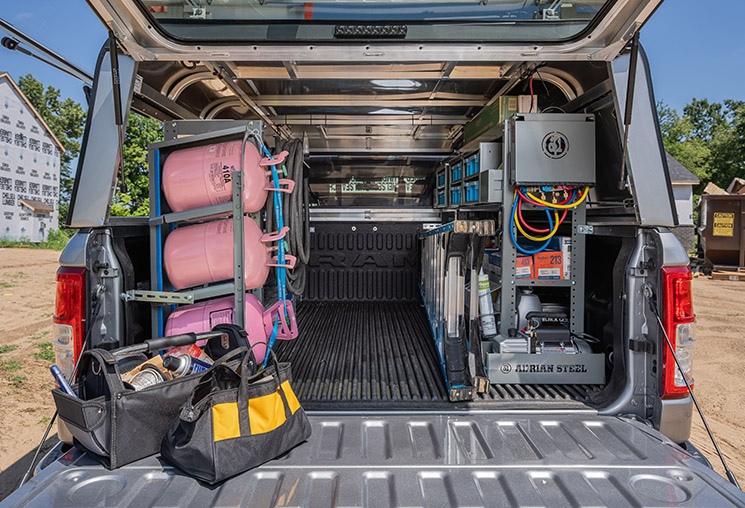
[[642, 346]]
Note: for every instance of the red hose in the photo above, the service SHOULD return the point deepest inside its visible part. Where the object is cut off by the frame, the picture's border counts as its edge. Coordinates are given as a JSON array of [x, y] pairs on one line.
[[528, 226]]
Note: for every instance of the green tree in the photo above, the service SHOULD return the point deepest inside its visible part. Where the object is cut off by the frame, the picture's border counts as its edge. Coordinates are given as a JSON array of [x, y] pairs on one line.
[[708, 119], [141, 131], [681, 142], [708, 139], [66, 119]]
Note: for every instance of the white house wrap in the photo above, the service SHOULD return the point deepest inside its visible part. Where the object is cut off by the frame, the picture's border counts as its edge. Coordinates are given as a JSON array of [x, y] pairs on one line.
[[29, 168]]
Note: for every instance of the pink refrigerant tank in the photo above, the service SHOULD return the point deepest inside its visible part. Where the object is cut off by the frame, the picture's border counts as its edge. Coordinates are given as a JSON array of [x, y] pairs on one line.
[[203, 253], [202, 176], [203, 316]]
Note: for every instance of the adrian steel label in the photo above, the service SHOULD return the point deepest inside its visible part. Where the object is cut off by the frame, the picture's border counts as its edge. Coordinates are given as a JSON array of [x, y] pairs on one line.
[[724, 224], [524, 368]]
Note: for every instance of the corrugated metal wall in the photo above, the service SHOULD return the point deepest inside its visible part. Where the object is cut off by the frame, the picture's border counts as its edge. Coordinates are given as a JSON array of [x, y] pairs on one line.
[[367, 262]]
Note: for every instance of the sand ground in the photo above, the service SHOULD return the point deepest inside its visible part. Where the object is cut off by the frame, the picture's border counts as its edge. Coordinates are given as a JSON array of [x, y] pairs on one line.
[[27, 292]]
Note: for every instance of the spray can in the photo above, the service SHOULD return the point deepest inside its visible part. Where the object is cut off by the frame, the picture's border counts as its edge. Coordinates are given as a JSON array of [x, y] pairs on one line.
[[148, 376], [181, 365], [486, 309]]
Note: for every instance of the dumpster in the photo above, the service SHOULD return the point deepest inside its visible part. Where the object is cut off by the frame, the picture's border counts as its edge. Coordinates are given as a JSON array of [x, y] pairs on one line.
[[721, 230]]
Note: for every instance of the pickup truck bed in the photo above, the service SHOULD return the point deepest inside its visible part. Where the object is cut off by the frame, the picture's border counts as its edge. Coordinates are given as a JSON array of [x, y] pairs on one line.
[[419, 459]]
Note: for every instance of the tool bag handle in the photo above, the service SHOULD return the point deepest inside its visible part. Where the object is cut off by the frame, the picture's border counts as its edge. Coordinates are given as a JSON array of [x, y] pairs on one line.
[[107, 365]]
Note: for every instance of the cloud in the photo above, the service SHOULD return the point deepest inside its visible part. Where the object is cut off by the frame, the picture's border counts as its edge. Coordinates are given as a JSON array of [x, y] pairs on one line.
[[24, 15]]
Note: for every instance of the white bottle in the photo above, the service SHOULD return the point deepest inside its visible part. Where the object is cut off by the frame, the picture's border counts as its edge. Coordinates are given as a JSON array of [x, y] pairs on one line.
[[486, 309]]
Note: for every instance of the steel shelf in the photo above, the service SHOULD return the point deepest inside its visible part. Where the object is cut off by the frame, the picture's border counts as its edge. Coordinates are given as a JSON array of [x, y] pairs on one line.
[[160, 297]]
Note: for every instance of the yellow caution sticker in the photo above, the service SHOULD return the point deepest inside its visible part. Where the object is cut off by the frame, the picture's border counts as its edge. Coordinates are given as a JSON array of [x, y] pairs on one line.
[[724, 224]]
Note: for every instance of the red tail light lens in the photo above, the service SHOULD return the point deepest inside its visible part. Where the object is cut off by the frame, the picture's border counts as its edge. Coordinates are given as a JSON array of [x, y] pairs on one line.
[[69, 317], [679, 321]]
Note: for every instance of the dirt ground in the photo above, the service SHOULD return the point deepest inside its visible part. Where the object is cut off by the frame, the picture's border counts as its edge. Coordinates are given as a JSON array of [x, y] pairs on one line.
[[27, 292]]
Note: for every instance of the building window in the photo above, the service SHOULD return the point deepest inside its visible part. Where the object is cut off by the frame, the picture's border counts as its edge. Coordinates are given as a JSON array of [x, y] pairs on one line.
[[20, 140]]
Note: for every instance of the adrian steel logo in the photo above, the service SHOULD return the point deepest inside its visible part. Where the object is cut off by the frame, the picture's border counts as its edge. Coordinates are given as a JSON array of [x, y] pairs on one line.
[[505, 368], [555, 145]]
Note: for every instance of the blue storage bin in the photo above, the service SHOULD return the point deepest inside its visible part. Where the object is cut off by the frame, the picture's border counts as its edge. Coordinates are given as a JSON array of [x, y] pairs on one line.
[[455, 195]]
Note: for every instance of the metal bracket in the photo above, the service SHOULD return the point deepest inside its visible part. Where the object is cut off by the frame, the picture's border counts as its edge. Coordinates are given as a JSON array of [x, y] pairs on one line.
[[479, 227], [161, 297], [584, 229], [108, 273]]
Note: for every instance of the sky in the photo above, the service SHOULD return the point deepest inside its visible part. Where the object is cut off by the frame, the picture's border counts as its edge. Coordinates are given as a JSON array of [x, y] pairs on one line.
[[696, 48]]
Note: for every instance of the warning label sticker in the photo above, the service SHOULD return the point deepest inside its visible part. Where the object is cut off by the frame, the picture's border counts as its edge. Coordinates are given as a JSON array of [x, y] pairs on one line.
[[724, 224]]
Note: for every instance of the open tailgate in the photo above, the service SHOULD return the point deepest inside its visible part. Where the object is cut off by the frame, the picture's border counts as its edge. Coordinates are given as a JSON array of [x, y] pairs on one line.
[[397, 459]]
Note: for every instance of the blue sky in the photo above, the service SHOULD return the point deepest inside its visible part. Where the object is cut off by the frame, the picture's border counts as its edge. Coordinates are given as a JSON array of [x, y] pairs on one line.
[[696, 48]]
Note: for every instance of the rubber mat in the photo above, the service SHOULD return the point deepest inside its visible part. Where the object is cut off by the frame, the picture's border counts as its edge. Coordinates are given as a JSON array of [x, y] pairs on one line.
[[358, 355]]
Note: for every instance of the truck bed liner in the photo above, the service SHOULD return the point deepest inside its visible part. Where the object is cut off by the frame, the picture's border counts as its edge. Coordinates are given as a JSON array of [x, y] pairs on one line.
[[415, 459], [374, 354]]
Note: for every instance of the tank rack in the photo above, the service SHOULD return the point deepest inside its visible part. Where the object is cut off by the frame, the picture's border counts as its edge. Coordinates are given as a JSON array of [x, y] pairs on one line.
[[162, 221]]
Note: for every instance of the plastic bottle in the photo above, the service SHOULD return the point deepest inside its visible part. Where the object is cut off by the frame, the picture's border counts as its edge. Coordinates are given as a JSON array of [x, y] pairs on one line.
[[486, 308], [527, 302]]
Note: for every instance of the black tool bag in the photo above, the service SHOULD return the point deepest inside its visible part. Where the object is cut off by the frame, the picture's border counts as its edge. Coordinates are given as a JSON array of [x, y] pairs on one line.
[[236, 421], [118, 424]]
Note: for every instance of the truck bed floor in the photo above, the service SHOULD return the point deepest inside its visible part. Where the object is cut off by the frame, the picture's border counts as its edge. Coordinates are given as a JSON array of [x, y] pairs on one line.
[[367, 355]]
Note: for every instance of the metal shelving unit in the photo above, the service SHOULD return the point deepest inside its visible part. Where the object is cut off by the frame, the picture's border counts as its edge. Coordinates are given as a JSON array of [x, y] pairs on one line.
[[576, 284], [162, 222]]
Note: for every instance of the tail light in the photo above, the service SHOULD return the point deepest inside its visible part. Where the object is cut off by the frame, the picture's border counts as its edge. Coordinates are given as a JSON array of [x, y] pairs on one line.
[[680, 323], [69, 317]]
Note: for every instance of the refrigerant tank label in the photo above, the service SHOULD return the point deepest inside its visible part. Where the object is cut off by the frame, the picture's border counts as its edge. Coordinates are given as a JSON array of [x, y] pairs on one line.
[[724, 224]]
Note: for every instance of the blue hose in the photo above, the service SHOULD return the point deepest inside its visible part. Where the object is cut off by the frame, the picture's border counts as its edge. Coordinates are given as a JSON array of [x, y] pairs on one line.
[[512, 230]]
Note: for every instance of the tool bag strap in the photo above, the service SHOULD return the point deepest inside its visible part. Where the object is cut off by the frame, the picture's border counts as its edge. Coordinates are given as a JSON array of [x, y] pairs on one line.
[[102, 362], [220, 376], [274, 370]]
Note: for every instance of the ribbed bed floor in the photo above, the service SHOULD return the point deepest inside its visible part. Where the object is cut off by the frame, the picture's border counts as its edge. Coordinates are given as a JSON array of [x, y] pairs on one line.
[[357, 355]]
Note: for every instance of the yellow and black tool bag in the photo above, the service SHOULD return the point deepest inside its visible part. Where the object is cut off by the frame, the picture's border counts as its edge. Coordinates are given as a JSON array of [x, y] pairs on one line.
[[234, 422]]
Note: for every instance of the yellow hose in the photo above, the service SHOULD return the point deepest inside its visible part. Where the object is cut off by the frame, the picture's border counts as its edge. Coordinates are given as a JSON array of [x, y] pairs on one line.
[[550, 205]]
